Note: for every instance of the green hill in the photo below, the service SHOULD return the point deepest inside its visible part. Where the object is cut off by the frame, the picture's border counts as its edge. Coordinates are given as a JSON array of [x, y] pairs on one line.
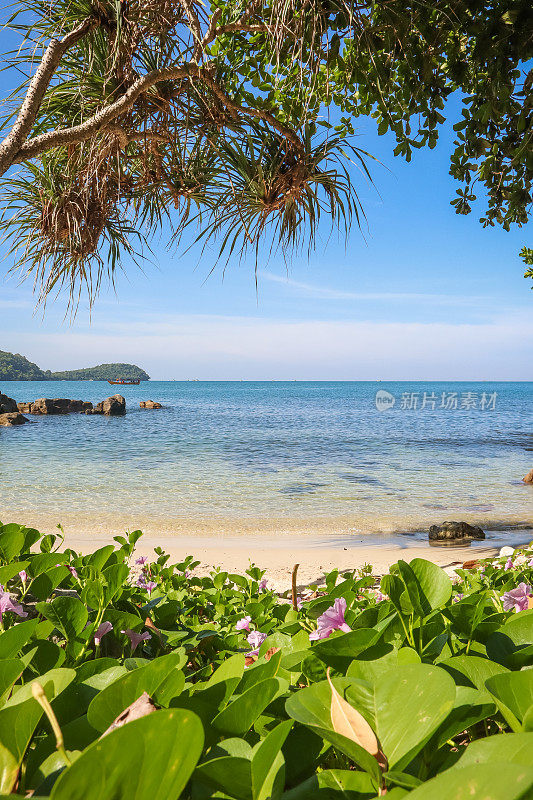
[[103, 372], [14, 367]]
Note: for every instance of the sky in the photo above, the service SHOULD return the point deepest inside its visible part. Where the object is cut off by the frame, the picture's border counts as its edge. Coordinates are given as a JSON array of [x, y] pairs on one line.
[[420, 294]]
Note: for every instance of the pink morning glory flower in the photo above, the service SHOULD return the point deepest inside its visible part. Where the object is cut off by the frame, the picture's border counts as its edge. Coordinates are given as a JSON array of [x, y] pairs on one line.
[[517, 598], [256, 639], [263, 585], [101, 631], [150, 586], [243, 624], [136, 638], [23, 575], [379, 596], [509, 563], [456, 598], [331, 620], [7, 604], [141, 560]]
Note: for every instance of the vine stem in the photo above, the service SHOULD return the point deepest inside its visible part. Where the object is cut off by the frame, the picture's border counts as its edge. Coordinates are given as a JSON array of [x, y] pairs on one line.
[[39, 694]]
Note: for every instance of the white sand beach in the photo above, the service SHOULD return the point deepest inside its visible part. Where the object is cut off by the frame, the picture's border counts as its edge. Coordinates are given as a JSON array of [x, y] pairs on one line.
[[315, 555]]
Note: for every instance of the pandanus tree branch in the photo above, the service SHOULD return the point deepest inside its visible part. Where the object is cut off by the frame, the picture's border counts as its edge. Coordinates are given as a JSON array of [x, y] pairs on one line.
[[16, 148], [98, 122], [40, 82], [178, 101]]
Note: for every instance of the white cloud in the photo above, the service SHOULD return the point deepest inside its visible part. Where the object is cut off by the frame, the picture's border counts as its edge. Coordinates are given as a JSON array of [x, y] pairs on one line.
[[216, 347], [328, 293], [9, 304]]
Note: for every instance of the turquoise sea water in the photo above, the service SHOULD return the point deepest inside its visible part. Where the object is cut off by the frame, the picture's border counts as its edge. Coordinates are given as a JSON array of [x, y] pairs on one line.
[[275, 451]]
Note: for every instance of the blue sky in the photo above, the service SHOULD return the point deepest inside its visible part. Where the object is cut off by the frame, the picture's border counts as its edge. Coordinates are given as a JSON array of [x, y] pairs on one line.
[[424, 294]]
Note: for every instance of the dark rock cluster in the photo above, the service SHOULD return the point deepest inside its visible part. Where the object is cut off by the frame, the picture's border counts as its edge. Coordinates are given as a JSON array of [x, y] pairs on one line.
[[454, 531]]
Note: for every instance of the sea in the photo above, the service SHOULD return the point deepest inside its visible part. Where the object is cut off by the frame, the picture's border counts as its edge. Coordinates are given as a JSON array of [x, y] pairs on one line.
[[260, 457]]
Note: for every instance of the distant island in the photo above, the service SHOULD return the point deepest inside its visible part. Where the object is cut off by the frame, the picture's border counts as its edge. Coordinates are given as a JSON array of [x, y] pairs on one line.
[[14, 367]]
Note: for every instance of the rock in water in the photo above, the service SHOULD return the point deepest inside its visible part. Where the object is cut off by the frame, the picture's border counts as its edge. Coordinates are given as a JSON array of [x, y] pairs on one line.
[[114, 406], [449, 531], [59, 405], [7, 405], [12, 418], [527, 479], [149, 404], [24, 408]]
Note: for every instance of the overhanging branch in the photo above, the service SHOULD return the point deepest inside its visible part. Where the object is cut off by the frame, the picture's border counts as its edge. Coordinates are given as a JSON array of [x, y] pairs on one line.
[[36, 91], [102, 118]]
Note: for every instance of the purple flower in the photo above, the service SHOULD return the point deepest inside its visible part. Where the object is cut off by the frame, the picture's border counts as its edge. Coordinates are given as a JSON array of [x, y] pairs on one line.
[[23, 575], [70, 569], [136, 638], [331, 620], [141, 560], [186, 574], [517, 598], [263, 585], [243, 624], [379, 596], [256, 639], [102, 629], [7, 604], [457, 597], [150, 586], [141, 582], [509, 563]]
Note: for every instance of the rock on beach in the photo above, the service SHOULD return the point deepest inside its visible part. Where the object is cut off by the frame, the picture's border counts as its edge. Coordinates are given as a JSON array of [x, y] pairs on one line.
[[149, 404], [529, 477], [453, 531]]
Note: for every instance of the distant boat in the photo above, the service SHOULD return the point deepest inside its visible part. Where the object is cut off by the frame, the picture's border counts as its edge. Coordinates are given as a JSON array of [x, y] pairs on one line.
[[125, 382]]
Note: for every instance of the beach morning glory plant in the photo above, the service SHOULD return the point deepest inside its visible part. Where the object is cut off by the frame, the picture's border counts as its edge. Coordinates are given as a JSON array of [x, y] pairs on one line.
[[331, 620], [255, 639], [7, 604], [517, 598], [101, 631], [136, 638]]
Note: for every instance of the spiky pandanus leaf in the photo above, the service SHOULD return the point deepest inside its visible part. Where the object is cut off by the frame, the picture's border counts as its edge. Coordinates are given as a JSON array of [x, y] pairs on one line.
[[272, 195]]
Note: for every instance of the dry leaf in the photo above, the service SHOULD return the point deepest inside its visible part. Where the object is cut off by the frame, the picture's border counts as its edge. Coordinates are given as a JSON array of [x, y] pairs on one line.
[[249, 660], [347, 721], [270, 652], [472, 564], [149, 624], [141, 707]]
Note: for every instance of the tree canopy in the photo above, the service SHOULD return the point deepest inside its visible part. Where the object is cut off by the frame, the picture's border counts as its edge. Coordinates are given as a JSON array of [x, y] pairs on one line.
[[14, 367], [237, 119]]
